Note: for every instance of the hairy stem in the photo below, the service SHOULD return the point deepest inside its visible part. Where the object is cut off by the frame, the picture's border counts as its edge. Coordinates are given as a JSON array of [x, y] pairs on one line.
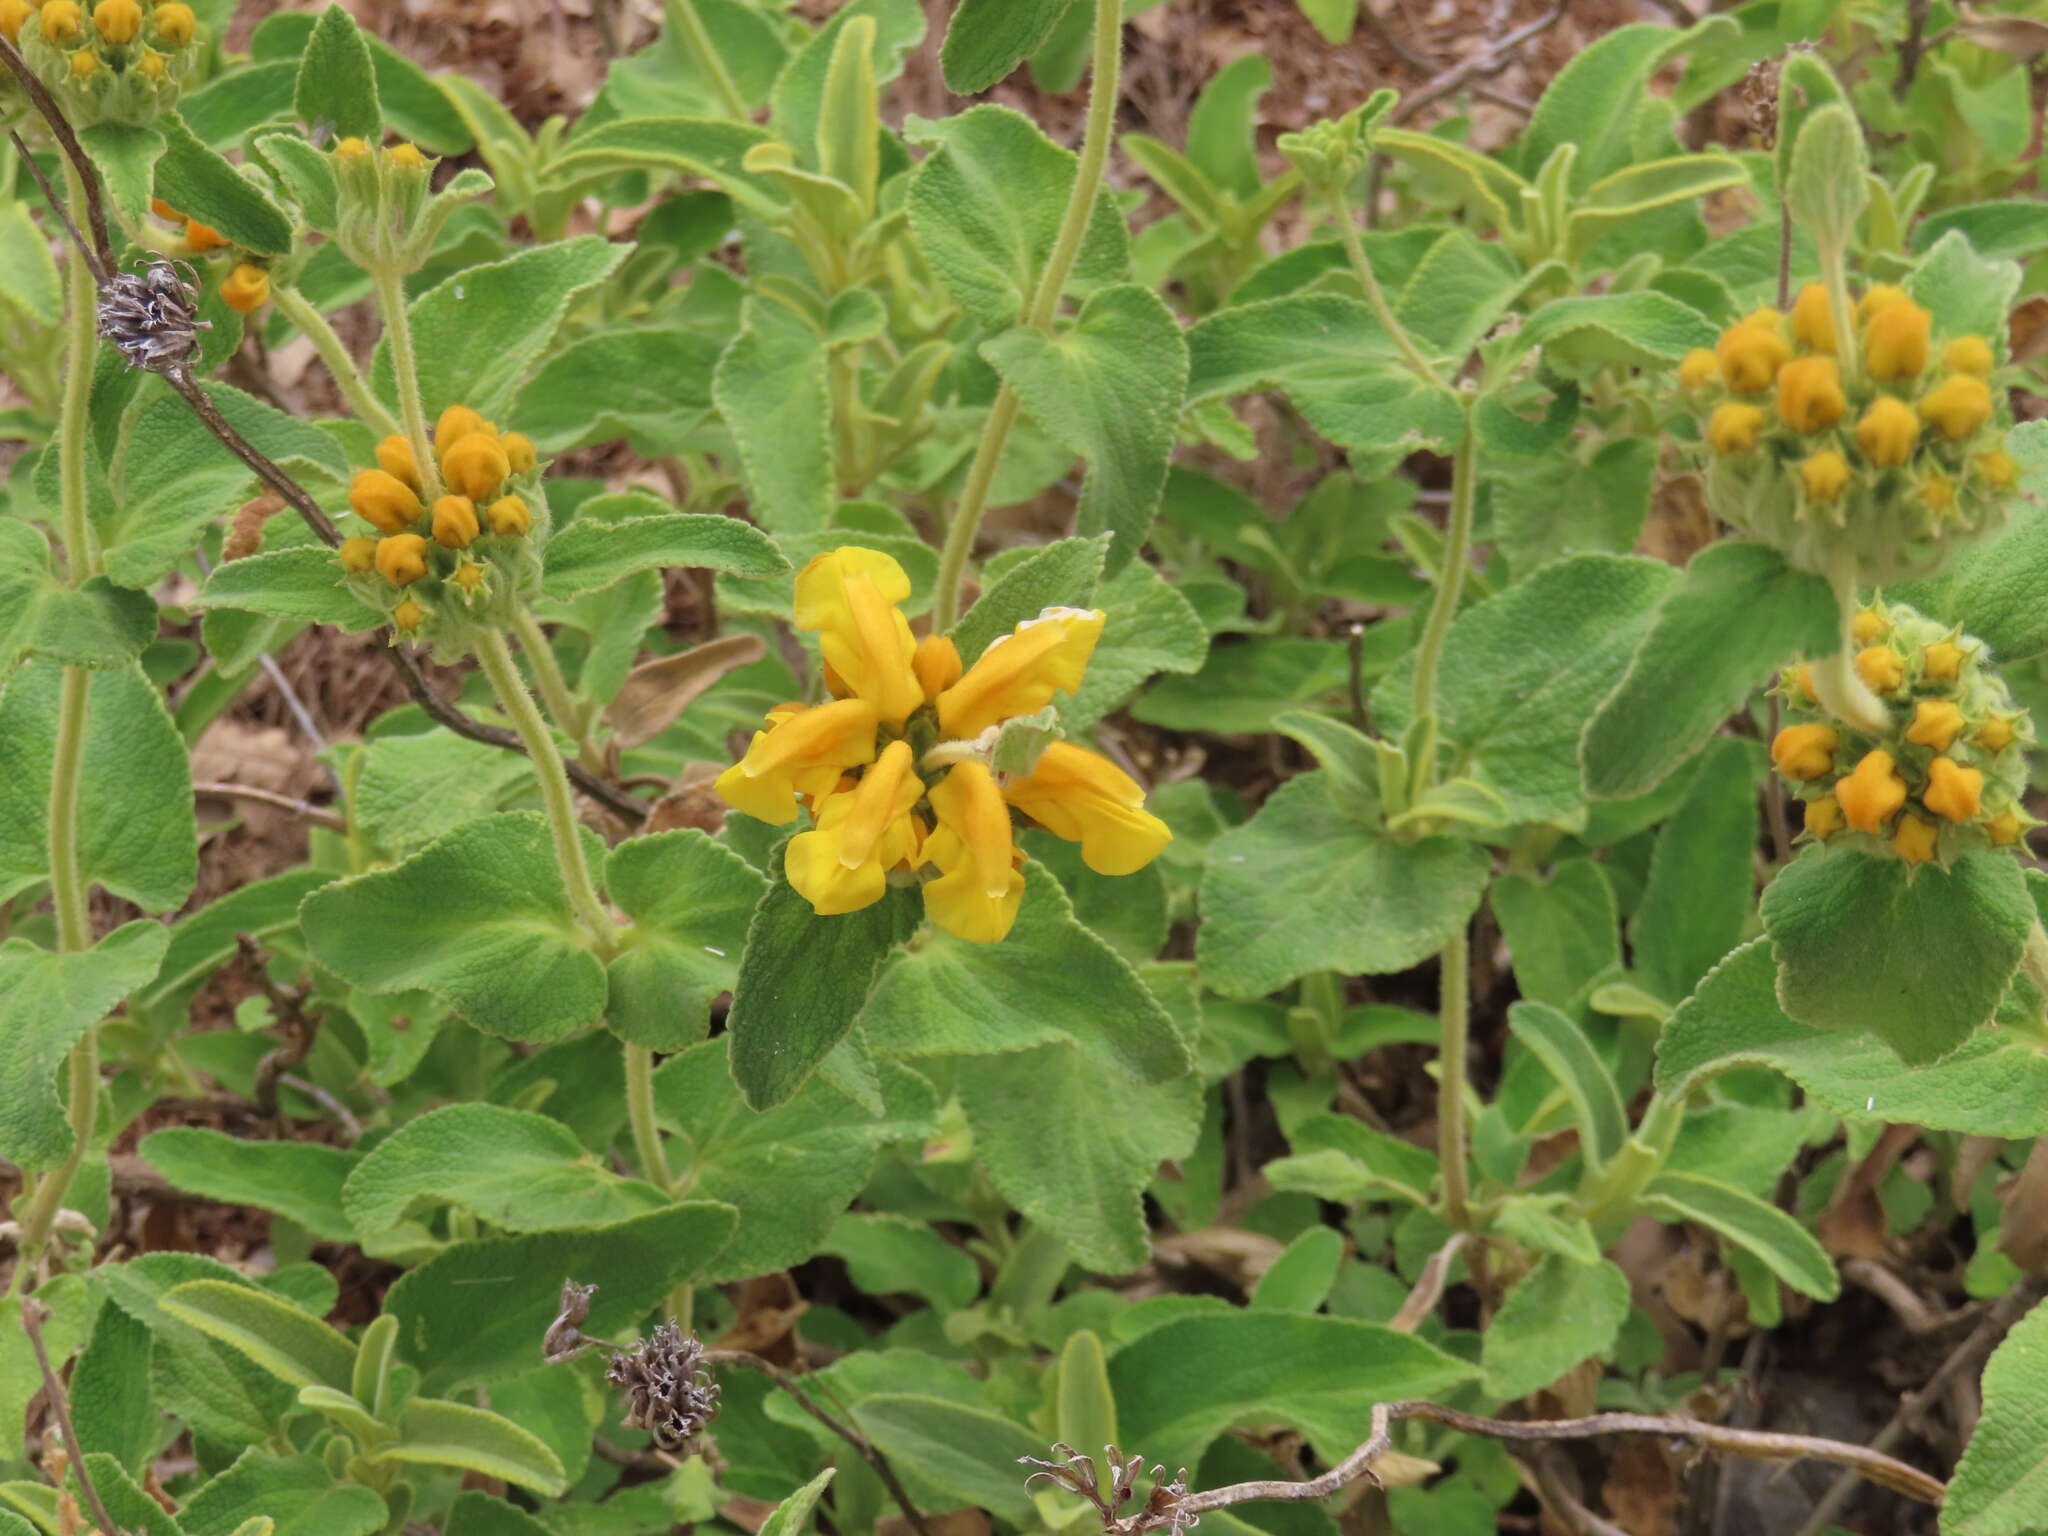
[[1835, 274], [405, 370], [554, 687], [1443, 607], [1361, 267], [640, 1112], [1454, 1024], [1836, 685], [552, 776], [682, 15], [1103, 84], [369, 410]]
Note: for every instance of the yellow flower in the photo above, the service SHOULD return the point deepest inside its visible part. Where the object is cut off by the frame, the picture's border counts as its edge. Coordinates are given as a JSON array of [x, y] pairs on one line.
[[175, 23], [384, 500], [476, 466], [407, 157], [1881, 668], [402, 558], [1810, 395], [1968, 354], [1876, 297], [1805, 751], [1868, 626], [1953, 792], [519, 451], [358, 555], [1957, 406], [1813, 326], [394, 457], [408, 616], [1873, 793], [861, 834], [1087, 799], [350, 148], [849, 596], [1825, 475], [802, 751], [84, 64], [1942, 662], [1915, 839], [979, 887], [117, 21], [1895, 341], [1734, 427], [202, 237], [455, 524], [508, 515], [12, 14], [150, 64], [1823, 817], [454, 424], [470, 576], [1698, 369], [1996, 733], [1750, 355], [1020, 672], [937, 665], [1938, 491], [1997, 468], [61, 20], [2003, 829], [1936, 723], [1887, 432], [246, 289]]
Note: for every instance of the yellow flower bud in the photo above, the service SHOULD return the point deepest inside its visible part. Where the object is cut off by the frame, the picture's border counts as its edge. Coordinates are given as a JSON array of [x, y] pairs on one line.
[[1915, 839], [455, 525], [469, 576], [351, 148], [1938, 491], [1765, 317], [1957, 406], [1825, 475], [1936, 723], [456, 423], [408, 616], [175, 23], [1881, 668], [936, 661], [358, 555], [394, 457], [61, 21], [150, 64], [1942, 662], [1879, 296], [117, 21], [1750, 355], [1968, 354], [203, 237], [1873, 793], [1997, 469], [402, 558], [519, 452], [1953, 792], [508, 515], [1698, 369], [1813, 326], [1734, 428], [1895, 341], [1804, 752], [1867, 626], [84, 64], [1810, 394], [2003, 829], [476, 466], [246, 289], [1888, 432], [384, 500], [12, 14], [407, 157], [1996, 733], [1823, 817], [1802, 679]]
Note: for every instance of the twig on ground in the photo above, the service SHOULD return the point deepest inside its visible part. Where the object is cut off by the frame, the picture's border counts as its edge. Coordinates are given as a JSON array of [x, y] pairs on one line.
[[320, 816], [1485, 64], [1429, 1286]]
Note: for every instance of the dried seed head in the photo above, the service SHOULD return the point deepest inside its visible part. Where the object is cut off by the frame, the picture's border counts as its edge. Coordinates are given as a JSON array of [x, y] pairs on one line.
[[151, 317], [668, 1393], [564, 1339]]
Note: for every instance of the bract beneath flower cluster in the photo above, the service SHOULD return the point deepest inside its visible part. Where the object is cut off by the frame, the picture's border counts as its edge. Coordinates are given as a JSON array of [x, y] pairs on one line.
[[1949, 775], [1891, 460], [905, 771]]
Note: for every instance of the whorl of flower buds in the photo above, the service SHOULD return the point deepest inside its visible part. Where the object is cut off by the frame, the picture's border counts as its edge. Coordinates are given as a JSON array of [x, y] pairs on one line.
[[668, 1392]]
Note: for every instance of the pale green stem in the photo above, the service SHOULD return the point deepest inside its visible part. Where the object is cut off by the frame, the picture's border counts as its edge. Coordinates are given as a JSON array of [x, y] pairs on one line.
[[554, 687], [369, 410], [50, 1190], [1453, 986], [1361, 267], [640, 1113], [1617, 1186], [1835, 275], [405, 370], [682, 15], [1837, 686], [1103, 84], [496, 659], [1443, 607]]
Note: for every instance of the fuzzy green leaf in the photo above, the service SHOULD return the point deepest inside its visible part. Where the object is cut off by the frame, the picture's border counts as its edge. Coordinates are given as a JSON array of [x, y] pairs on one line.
[[792, 1517], [1561, 933], [443, 1434], [1569, 1057], [1787, 1249], [1696, 904], [292, 1345], [713, 148], [594, 552], [988, 38], [1645, 329], [968, 1454], [299, 1493], [690, 901], [1151, 629], [298, 1179], [1062, 574], [337, 85], [301, 582], [2000, 1487], [1555, 1316], [94, 624], [772, 392], [202, 185], [126, 155], [110, 1393]]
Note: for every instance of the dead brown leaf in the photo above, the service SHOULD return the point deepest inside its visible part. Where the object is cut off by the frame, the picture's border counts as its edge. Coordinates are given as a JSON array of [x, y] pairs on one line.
[[2023, 1234], [1641, 1487], [657, 691]]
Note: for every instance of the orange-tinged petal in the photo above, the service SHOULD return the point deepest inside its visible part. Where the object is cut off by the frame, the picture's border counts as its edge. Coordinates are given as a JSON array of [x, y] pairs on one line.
[[1915, 839], [803, 751], [1873, 793], [1953, 792], [1020, 672], [1087, 799], [937, 665], [970, 808], [849, 596], [877, 814]]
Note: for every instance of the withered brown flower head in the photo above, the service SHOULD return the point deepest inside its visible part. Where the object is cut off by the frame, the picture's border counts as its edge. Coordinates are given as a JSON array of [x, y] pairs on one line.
[[668, 1392], [151, 317]]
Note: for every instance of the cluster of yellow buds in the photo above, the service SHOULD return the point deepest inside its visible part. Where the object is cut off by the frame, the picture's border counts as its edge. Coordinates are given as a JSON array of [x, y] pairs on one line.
[[1948, 775], [453, 549], [1892, 451], [381, 194], [108, 61], [916, 768], [246, 288]]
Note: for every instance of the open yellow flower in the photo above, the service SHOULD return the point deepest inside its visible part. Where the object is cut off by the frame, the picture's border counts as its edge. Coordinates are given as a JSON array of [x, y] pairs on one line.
[[1020, 672], [979, 887], [803, 751], [849, 597], [843, 864], [1087, 799]]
